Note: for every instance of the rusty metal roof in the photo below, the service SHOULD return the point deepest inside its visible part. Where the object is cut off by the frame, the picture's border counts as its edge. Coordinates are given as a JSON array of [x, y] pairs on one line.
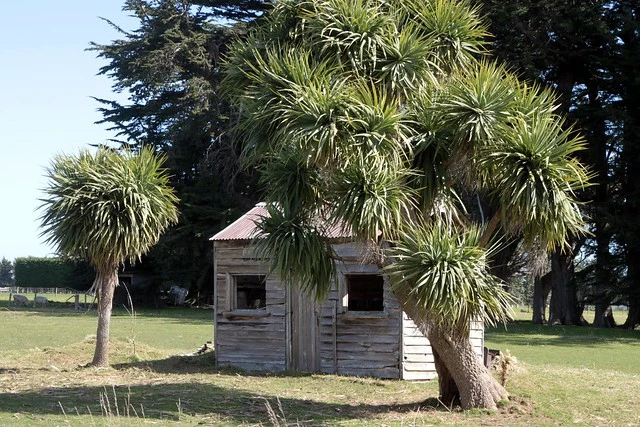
[[245, 228]]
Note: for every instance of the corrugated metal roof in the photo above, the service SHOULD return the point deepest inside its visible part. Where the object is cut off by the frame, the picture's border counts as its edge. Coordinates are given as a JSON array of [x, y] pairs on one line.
[[244, 228]]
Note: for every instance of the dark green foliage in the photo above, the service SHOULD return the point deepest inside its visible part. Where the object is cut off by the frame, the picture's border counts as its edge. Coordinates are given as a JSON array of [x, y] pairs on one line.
[[6, 272], [31, 272], [588, 51], [169, 69], [242, 10]]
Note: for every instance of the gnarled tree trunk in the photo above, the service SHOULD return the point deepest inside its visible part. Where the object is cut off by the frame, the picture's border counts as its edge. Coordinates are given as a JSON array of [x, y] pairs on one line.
[[541, 290], [448, 392], [106, 281], [633, 317], [477, 388], [603, 317], [461, 373], [563, 308]]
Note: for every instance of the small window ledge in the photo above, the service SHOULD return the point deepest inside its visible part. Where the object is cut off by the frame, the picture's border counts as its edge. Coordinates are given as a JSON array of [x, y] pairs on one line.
[[245, 314], [365, 315]]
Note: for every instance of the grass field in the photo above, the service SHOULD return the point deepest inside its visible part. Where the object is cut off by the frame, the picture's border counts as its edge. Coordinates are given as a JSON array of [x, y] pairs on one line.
[[564, 376]]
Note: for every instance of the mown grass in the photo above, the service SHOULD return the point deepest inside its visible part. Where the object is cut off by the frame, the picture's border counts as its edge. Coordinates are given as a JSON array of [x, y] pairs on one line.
[[569, 346], [565, 375], [59, 324]]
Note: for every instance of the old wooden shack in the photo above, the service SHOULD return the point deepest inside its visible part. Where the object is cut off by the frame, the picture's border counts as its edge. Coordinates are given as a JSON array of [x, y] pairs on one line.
[[360, 329]]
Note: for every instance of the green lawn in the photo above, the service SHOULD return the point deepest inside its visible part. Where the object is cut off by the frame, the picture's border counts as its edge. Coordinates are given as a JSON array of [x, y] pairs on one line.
[[564, 376], [171, 329], [570, 346]]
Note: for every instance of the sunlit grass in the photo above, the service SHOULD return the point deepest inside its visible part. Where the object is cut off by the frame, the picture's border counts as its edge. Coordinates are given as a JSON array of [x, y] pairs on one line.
[[178, 329], [564, 375]]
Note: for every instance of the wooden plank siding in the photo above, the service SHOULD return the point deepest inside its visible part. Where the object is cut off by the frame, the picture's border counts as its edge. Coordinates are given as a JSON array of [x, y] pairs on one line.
[[360, 343], [384, 344], [250, 343], [417, 357]]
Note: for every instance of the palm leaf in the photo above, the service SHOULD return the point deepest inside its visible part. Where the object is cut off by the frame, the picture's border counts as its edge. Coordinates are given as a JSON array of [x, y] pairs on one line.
[[535, 175], [296, 250], [372, 197], [446, 272], [107, 207]]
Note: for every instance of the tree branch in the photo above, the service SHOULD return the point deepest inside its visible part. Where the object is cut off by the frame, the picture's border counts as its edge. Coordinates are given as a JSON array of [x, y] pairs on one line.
[[491, 228]]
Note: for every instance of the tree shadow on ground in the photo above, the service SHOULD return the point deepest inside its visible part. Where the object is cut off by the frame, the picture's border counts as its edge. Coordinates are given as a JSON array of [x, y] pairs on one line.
[[204, 402], [205, 364], [526, 333]]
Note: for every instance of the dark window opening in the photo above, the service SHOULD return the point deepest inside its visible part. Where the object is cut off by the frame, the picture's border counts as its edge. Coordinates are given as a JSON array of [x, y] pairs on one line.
[[251, 292], [365, 292]]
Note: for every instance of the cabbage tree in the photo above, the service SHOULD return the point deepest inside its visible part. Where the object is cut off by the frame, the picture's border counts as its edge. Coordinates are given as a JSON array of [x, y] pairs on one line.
[[389, 116], [108, 208]]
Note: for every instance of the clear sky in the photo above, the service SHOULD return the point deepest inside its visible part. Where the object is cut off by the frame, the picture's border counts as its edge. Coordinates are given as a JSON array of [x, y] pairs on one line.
[[47, 79]]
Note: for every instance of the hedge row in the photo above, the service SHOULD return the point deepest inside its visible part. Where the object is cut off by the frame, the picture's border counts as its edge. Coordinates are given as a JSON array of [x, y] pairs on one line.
[[32, 272]]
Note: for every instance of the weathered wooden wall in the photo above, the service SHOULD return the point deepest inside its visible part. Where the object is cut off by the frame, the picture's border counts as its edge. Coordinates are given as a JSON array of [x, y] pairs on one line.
[[359, 343], [251, 339], [383, 344], [417, 356]]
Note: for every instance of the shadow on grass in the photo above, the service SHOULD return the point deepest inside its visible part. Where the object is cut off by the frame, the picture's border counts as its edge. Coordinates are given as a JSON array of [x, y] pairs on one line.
[[173, 399], [205, 364], [168, 401], [526, 333]]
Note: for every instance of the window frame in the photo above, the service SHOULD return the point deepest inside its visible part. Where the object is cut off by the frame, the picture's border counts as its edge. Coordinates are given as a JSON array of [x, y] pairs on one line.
[[344, 295], [231, 306]]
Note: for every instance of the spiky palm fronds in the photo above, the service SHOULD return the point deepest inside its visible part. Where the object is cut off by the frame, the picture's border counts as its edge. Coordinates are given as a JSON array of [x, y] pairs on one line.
[[376, 124], [446, 272], [372, 197], [351, 31], [290, 180], [107, 207], [390, 115], [405, 66], [478, 101], [457, 33], [297, 250], [533, 171]]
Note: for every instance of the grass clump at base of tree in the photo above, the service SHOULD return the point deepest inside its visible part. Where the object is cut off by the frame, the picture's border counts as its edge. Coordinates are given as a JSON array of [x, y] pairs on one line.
[[564, 375]]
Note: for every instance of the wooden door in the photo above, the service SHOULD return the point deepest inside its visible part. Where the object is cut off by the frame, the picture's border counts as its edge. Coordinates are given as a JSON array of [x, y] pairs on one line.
[[302, 332]]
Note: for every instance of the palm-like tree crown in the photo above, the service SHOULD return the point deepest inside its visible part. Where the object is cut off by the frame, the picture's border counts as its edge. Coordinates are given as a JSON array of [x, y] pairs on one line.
[[107, 207], [379, 114]]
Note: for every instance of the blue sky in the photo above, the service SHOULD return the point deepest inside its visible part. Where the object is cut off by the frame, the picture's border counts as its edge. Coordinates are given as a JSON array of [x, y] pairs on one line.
[[46, 108]]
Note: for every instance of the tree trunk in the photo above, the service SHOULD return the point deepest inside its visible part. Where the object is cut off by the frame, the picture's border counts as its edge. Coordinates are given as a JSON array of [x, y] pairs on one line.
[[477, 388], [106, 280], [563, 308], [603, 317], [633, 317], [448, 390], [461, 373], [541, 290], [633, 276]]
